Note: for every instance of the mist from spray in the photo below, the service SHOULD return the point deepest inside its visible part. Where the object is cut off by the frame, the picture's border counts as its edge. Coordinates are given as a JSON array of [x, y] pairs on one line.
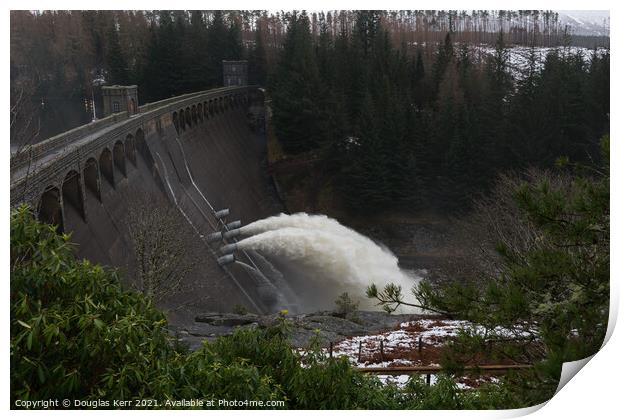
[[332, 257]]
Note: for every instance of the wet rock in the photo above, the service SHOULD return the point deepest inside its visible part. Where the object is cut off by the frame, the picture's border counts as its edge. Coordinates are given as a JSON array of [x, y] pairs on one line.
[[326, 326], [224, 319]]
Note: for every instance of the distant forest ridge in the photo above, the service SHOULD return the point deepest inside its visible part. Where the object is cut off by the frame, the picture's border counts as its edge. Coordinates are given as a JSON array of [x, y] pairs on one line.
[[59, 58], [523, 27]]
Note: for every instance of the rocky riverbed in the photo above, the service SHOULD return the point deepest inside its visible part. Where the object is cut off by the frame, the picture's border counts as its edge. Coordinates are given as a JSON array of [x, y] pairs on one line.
[[329, 326]]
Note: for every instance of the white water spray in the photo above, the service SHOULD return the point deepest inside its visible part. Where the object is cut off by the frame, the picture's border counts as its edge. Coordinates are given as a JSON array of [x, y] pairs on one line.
[[331, 257], [302, 221]]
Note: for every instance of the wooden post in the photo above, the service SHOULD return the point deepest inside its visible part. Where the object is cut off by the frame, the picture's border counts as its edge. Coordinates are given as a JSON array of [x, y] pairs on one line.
[[331, 349], [428, 379], [381, 348], [359, 353], [419, 345]]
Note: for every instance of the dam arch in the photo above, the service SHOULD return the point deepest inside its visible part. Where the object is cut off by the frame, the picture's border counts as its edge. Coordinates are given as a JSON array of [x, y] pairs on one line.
[[72, 193], [182, 119], [118, 153], [50, 208], [106, 166], [175, 120], [188, 117], [92, 179], [130, 149], [142, 149]]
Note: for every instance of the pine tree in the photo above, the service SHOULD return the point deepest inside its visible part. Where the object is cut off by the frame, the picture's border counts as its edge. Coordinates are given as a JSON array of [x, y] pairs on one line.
[[298, 117], [444, 56], [117, 64], [258, 58], [161, 73], [197, 75], [366, 29], [598, 93], [366, 174], [491, 110], [218, 41], [234, 49], [418, 86]]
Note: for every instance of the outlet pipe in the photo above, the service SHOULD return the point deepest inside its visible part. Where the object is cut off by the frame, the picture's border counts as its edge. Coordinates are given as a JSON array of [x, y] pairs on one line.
[[231, 233], [214, 237], [226, 259], [228, 249], [233, 225], [222, 213]]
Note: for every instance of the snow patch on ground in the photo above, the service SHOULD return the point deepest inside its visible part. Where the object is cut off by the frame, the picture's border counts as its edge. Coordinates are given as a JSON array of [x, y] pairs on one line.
[[518, 56], [401, 347]]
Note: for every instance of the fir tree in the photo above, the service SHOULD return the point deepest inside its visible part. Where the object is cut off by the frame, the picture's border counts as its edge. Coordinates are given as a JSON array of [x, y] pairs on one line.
[[218, 41], [298, 117], [117, 64], [257, 58]]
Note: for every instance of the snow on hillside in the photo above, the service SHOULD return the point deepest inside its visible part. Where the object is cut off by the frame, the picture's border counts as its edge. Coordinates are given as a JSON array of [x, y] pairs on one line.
[[518, 57], [586, 22]]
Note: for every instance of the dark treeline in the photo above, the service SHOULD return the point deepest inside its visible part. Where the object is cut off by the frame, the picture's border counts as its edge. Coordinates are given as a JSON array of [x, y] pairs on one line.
[[402, 119], [430, 126], [58, 58]]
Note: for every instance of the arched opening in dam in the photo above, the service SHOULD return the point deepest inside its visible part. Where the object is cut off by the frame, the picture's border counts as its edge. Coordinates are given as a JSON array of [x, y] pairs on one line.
[[119, 157], [130, 149], [72, 194], [182, 119], [106, 166], [175, 120], [91, 178], [50, 210], [188, 117]]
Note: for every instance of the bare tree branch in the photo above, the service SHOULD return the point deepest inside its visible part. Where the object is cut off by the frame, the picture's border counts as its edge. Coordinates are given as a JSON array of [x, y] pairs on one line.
[[162, 245]]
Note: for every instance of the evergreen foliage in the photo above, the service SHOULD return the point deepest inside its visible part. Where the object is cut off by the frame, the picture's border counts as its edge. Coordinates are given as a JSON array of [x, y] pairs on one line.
[[298, 118], [549, 287], [74, 332], [118, 69], [400, 130]]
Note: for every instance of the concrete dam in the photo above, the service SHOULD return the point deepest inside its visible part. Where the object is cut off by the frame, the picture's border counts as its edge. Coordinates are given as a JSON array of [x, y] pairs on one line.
[[203, 156]]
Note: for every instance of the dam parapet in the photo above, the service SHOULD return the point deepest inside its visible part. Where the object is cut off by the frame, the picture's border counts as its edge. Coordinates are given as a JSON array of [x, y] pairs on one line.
[[37, 167]]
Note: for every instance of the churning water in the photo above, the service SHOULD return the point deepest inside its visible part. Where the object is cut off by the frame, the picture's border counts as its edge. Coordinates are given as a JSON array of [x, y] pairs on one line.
[[321, 258]]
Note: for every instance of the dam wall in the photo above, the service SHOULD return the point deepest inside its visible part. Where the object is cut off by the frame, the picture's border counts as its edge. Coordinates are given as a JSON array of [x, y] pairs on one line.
[[196, 158]]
